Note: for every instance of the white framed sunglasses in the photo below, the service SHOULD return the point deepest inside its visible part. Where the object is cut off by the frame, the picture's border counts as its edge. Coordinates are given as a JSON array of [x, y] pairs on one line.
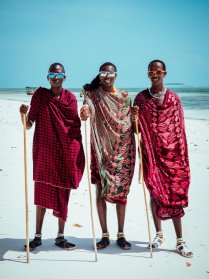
[[57, 75], [110, 74]]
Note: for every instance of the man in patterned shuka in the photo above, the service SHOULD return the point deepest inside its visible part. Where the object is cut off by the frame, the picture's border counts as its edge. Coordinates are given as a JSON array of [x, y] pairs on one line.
[[58, 157], [164, 153], [112, 147]]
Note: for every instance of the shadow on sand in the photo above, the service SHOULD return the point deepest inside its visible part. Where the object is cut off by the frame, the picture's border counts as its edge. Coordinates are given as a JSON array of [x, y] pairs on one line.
[[83, 245]]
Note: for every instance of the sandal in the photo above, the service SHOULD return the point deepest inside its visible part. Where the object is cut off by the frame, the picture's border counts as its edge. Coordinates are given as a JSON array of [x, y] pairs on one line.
[[157, 241], [34, 243], [182, 249], [122, 243], [104, 242], [64, 244]]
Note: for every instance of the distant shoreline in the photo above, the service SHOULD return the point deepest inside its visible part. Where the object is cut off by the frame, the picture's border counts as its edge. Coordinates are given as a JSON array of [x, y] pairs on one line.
[[134, 88]]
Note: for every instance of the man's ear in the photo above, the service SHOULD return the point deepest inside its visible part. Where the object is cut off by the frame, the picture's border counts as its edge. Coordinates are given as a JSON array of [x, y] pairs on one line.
[[165, 73]]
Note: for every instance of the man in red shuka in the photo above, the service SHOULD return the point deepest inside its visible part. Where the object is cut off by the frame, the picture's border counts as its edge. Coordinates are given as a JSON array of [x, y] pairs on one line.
[[164, 153], [58, 157]]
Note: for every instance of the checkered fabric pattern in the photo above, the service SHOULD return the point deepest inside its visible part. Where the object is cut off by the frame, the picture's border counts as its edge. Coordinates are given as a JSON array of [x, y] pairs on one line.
[[54, 198], [58, 156]]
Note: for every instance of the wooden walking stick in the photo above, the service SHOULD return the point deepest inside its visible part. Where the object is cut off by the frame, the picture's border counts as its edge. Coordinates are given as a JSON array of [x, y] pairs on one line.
[[26, 184], [90, 196], [142, 180]]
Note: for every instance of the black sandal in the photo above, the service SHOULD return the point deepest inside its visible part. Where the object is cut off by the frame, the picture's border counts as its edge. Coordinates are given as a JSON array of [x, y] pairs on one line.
[[64, 244], [103, 243], [34, 243], [122, 243]]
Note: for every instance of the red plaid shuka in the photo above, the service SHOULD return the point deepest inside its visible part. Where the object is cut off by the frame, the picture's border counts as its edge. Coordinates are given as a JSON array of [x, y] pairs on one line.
[[54, 198], [58, 157], [164, 153]]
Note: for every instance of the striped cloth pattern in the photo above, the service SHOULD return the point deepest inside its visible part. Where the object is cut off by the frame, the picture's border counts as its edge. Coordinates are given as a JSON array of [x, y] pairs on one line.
[[112, 143]]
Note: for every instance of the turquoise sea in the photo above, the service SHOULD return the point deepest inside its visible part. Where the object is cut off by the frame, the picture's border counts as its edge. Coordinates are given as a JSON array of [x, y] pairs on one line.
[[195, 100]]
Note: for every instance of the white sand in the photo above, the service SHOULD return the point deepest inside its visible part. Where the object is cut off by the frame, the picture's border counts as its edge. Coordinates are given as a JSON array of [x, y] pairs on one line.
[[50, 261]]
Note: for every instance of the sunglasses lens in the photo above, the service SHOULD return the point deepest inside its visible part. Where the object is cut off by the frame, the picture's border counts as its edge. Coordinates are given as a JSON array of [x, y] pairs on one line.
[[51, 75], [151, 73], [60, 75], [103, 74]]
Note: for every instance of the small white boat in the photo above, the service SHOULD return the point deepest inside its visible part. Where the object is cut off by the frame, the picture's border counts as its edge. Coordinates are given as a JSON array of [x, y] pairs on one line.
[[30, 90]]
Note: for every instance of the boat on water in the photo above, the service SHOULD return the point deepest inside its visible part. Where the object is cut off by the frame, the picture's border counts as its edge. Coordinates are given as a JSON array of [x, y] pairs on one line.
[[30, 90]]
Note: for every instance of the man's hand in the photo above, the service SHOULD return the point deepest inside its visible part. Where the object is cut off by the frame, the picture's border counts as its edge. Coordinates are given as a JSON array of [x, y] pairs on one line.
[[134, 112], [84, 112], [23, 109]]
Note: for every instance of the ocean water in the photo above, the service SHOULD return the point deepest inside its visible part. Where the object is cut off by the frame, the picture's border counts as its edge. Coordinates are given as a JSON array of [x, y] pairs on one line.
[[195, 100]]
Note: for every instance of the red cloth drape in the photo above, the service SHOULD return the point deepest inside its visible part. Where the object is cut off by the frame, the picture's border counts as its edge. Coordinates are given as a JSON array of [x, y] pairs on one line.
[[164, 153], [112, 143], [54, 198], [58, 157]]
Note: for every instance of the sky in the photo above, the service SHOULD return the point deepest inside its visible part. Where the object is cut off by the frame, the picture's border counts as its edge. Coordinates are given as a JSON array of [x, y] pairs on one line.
[[82, 35]]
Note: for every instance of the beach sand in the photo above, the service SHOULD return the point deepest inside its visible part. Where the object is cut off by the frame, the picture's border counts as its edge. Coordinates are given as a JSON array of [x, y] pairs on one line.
[[49, 261]]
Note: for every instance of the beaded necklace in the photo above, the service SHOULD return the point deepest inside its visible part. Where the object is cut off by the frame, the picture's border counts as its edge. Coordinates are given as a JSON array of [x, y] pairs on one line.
[[157, 95]]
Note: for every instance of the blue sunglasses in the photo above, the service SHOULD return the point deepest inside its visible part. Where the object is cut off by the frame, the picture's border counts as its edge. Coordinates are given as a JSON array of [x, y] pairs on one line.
[[57, 75]]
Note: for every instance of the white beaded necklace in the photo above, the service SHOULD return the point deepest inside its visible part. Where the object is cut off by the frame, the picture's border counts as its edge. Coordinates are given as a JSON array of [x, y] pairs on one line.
[[157, 95]]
